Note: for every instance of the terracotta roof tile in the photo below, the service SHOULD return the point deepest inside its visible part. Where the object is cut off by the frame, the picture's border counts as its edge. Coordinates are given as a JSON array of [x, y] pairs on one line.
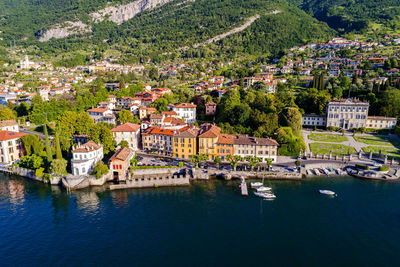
[[126, 127], [9, 135], [122, 154]]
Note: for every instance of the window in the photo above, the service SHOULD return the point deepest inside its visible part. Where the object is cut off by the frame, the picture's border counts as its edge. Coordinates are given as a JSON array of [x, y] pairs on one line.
[[83, 170]]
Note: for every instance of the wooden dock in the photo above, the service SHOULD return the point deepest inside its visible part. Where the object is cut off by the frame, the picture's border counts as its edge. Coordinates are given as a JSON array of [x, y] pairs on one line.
[[243, 187]]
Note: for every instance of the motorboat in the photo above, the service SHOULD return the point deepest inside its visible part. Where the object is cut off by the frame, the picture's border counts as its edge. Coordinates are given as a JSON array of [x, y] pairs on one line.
[[325, 171], [265, 195], [327, 192], [256, 184], [310, 172], [317, 172], [263, 189]]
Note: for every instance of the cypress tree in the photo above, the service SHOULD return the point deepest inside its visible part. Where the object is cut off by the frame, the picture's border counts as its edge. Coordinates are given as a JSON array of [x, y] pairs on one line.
[[47, 144], [321, 82], [58, 148]]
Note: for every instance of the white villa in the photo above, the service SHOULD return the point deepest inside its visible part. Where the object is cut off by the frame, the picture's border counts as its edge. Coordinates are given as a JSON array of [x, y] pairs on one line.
[[186, 111], [85, 157]]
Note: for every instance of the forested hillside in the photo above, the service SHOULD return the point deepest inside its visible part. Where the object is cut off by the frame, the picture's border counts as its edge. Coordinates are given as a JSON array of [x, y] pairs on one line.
[[350, 15], [167, 28]]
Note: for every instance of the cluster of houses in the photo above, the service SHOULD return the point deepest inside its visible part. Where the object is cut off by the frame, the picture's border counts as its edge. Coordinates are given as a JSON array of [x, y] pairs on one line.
[[206, 139]]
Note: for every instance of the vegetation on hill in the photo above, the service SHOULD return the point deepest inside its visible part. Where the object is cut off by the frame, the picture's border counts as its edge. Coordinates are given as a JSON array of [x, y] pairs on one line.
[[346, 16], [167, 32]]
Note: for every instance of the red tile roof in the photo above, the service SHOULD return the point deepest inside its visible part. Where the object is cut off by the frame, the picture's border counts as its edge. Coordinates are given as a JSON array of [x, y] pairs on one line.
[[185, 105], [122, 154], [126, 127], [99, 110], [9, 135], [87, 147]]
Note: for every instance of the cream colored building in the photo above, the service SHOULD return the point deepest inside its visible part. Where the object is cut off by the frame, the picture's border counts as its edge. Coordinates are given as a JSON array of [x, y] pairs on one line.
[[378, 122], [347, 113], [10, 146], [258, 147], [129, 132], [9, 125]]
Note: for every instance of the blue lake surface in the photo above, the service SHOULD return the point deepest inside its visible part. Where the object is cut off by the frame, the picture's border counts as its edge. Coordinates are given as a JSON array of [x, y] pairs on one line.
[[206, 224]]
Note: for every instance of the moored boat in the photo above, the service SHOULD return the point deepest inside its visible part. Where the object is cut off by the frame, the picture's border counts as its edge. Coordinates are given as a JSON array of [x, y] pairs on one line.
[[327, 192], [256, 184], [264, 189], [265, 195]]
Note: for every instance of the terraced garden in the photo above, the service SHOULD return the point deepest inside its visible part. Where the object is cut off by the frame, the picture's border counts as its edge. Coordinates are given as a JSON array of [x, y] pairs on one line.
[[322, 137], [377, 140], [390, 151], [325, 149]]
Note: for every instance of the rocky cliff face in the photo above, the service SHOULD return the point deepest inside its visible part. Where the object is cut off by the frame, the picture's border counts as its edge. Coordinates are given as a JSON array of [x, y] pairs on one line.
[[117, 14], [63, 30]]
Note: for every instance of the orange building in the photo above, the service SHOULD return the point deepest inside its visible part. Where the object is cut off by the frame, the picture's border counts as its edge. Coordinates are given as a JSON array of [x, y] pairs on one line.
[[225, 145]]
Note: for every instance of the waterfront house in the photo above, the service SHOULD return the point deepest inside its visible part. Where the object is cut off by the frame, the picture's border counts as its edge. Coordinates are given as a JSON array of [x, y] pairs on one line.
[[85, 157], [208, 137], [10, 146], [258, 147], [129, 132], [119, 163], [184, 143], [225, 145], [347, 113]]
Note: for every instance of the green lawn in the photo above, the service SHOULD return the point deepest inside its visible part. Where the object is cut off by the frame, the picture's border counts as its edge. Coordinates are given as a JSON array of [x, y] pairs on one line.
[[376, 140], [390, 151], [337, 149], [322, 137]]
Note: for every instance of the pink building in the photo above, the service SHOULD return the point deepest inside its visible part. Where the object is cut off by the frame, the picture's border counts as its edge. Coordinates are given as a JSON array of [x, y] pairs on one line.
[[211, 108]]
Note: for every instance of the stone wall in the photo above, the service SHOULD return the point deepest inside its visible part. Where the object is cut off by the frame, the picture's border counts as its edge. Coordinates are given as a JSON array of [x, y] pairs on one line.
[[153, 180]]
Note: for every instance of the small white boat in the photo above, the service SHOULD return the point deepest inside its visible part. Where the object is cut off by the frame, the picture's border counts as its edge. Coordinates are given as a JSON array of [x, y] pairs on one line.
[[327, 192], [265, 195], [317, 172], [309, 172], [263, 189], [256, 184], [326, 171]]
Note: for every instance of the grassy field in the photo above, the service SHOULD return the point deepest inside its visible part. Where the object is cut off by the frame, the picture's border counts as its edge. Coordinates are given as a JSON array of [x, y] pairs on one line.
[[337, 149], [376, 140], [322, 137], [390, 151]]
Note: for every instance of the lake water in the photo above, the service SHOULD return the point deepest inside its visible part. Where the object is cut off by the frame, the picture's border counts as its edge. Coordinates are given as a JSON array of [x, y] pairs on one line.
[[206, 224]]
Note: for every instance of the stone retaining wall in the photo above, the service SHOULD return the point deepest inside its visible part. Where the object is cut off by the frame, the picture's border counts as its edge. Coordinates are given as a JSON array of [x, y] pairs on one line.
[[153, 180]]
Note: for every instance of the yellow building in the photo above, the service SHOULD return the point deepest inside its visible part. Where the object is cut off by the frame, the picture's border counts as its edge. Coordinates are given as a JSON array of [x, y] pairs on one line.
[[184, 143], [208, 138]]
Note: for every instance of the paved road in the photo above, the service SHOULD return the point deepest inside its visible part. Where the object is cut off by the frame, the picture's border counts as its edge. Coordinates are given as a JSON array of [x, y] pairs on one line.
[[27, 131]]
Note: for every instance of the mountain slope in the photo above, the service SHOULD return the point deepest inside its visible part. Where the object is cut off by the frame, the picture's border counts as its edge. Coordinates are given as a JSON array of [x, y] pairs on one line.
[[349, 15], [170, 26]]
